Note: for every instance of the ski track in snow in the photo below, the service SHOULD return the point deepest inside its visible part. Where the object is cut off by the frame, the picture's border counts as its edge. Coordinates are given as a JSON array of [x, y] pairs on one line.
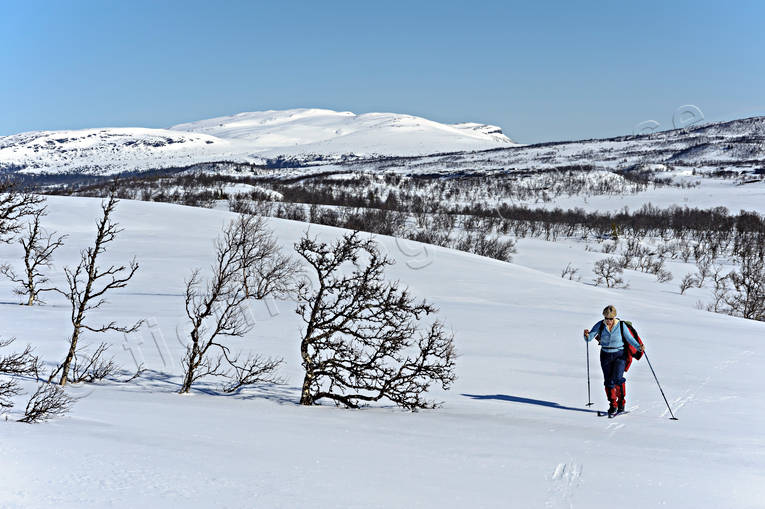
[[613, 427], [716, 373], [564, 480]]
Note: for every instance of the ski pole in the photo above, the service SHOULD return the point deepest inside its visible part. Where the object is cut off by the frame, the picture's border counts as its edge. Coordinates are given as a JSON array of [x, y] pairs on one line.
[[662, 390], [589, 400]]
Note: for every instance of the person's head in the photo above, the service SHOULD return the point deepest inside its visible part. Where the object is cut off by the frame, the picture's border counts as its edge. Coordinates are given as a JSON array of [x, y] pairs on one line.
[[609, 313]]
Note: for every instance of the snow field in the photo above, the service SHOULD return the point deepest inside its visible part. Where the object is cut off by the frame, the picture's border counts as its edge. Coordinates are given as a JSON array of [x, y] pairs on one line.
[[513, 431]]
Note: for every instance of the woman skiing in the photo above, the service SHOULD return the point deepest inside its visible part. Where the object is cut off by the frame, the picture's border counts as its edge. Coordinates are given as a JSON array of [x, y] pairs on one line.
[[613, 356]]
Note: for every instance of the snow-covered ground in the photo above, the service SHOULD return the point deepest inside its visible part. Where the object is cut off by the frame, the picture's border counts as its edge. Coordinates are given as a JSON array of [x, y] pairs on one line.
[[708, 194], [513, 432]]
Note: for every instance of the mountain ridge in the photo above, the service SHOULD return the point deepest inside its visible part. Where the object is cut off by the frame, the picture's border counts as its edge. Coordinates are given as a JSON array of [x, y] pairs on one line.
[[286, 140]]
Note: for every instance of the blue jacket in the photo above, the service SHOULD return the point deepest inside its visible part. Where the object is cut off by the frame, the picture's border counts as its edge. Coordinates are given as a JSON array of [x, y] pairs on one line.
[[612, 341]]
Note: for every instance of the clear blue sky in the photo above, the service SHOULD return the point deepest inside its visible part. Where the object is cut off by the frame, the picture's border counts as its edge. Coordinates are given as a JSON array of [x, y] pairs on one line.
[[542, 71]]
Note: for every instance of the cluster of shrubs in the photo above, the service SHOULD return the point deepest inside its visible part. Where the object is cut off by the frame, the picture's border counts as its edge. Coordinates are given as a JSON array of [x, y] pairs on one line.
[[730, 262], [438, 229]]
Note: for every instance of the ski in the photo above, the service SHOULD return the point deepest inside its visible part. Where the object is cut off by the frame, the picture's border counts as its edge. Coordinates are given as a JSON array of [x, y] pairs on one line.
[[603, 414]]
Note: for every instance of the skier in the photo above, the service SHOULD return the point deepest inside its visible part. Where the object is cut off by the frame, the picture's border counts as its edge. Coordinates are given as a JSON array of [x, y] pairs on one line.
[[613, 356]]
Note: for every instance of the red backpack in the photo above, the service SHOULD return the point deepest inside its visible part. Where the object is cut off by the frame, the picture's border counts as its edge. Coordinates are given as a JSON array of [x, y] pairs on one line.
[[632, 352]]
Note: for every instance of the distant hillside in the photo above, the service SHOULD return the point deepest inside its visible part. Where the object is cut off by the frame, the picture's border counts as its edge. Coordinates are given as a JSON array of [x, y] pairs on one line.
[[254, 138], [300, 142]]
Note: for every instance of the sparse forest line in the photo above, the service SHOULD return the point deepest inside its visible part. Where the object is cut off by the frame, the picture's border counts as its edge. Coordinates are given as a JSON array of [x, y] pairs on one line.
[[478, 213]]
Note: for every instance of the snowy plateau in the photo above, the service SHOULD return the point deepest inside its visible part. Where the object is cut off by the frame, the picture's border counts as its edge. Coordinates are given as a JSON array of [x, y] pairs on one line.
[[514, 431]]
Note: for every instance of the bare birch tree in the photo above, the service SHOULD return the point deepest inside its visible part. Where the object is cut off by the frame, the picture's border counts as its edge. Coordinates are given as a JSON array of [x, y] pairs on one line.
[[363, 340], [88, 283], [747, 296], [248, 265], [38, 245], [609, 271]]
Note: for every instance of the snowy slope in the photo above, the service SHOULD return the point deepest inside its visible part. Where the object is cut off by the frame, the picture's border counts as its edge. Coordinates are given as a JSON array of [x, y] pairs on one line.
[[105, 151], [246, 137], [737, 145], [708, 194], [513, 432], [318, 131]]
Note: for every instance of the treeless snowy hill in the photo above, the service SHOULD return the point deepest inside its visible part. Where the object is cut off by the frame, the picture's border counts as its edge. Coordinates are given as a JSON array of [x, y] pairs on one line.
[[246, 137], [513, 432], [318, 131]]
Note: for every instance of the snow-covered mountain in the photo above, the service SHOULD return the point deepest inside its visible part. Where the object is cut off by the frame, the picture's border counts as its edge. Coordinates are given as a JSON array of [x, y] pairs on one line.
[[305, 139], [246, 137], [321, 131]]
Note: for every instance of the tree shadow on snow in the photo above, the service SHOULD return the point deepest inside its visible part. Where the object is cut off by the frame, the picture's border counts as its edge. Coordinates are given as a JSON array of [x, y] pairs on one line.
[[159, 381], [9, 303], [528, 401], [279, 393]]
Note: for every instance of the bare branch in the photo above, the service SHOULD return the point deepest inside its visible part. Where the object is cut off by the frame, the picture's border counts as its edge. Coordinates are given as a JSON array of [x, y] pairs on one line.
[[140, 370], [15, 204], [8, 389], [23, 363], [95, 368], [47, 402], [253, 370]]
